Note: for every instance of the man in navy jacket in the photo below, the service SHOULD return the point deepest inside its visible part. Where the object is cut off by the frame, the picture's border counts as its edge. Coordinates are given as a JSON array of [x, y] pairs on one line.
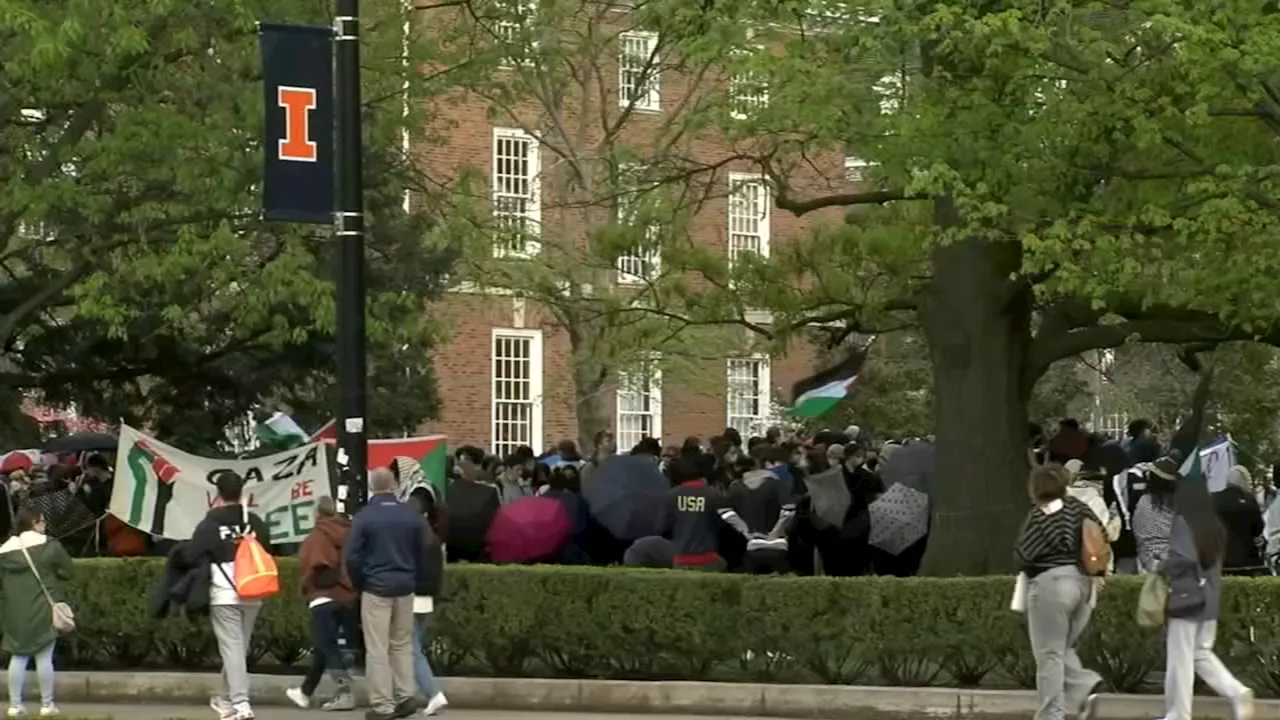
[[386, 561]]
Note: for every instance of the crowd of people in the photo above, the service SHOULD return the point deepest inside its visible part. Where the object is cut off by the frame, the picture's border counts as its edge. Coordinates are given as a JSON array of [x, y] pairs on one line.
[[771, 504], [1155, 518]]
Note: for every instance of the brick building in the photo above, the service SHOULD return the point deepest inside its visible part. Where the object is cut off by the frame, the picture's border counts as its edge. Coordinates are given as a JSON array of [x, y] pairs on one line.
[[506, 372]]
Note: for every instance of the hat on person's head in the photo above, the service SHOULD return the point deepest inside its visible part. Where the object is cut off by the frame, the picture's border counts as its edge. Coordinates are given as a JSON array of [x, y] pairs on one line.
[[1165, 468]]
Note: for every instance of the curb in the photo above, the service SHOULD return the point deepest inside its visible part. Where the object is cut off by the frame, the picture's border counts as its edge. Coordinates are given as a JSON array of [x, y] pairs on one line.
[[615, 696]]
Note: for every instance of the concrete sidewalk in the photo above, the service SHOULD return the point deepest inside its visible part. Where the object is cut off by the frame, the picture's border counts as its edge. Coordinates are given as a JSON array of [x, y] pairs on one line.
[[829, 702]]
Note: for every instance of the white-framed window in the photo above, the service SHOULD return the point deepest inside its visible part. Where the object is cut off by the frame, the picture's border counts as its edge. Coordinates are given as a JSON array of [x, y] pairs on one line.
[[639, 404], [855, 169], [514, 18], [517, 205], [643, 262], [749, 201], [747, 394], [516, 393], [639, 77], [748, 90], [890, 90]]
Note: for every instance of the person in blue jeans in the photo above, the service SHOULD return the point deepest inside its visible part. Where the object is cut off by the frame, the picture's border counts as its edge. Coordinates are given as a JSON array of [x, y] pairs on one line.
[[424, 602]]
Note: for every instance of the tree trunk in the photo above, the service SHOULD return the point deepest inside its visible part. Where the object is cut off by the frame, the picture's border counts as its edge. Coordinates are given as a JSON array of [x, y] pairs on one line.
[[978, 346], [593, 407]]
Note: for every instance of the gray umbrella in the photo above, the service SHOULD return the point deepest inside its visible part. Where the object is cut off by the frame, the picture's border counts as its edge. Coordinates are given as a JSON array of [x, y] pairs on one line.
[[912, 465], [899, 518], [829, 497]]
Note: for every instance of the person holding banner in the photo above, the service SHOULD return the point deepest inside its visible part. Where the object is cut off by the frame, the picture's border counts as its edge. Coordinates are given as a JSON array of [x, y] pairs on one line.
[[214, 542]]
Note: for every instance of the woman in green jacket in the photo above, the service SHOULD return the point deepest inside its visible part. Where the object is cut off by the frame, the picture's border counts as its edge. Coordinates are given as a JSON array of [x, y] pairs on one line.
[[26, 620]]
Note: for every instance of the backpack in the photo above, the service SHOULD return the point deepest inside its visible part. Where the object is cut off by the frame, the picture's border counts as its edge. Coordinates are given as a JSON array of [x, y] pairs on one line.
[[256, 574], [1095, 549]]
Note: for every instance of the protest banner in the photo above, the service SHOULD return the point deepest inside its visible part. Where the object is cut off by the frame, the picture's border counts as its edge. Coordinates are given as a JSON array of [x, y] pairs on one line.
[[164, 491], [1216, 461]]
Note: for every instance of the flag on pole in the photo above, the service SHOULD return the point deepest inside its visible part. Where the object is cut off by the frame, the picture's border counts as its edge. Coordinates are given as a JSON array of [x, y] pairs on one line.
[[327, 432], [297, 79], [281, 431], [1186, 440], [817, 394], [821, 400]]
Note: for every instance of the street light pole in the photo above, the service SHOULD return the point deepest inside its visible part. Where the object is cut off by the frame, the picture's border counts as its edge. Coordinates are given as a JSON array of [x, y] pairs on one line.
[[349, 230]]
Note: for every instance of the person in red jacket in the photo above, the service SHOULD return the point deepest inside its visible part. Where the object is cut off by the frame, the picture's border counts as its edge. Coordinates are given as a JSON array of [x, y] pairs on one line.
[[332, 600]]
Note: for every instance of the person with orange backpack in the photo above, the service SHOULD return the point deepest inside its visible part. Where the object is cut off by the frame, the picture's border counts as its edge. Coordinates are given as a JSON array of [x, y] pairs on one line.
[[235, 544]]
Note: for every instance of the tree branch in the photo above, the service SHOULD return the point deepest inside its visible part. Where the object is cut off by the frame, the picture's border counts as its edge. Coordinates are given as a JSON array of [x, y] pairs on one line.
[[872, 197]]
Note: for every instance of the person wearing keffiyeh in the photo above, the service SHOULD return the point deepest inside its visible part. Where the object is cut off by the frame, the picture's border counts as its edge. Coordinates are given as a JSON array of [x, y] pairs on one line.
[[1059, 594]]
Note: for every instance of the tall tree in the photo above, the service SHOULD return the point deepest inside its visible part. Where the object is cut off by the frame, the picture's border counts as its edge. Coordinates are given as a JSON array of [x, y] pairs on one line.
[[1053, 178], [136, 278], [613, 114]]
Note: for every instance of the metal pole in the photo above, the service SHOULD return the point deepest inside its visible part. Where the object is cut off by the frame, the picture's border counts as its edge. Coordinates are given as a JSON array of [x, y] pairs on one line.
[[349, 229]]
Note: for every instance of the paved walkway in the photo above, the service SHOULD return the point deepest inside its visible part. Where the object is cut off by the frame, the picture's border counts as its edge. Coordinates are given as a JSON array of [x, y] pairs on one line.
[[195, 712]]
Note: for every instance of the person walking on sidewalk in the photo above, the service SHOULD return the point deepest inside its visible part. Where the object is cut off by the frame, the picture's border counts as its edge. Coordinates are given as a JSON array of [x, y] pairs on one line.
[[33, 568], [332, 601], [214, 543], [424, 596], [1193, 567], [386, 560], [1059, 593]]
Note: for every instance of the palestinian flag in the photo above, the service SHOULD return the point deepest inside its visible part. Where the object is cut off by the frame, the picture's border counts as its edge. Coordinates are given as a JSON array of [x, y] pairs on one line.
[[144, 462], [817, 394], [428, 454], [280, 431], [821, 400], [327, 432]]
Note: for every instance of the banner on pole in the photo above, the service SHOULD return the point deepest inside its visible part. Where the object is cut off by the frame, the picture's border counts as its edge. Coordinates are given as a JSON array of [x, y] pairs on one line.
[[297, 79], [164, 491]]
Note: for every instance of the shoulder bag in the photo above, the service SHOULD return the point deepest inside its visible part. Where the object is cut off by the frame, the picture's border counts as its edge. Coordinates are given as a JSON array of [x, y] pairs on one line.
[[64, 619]]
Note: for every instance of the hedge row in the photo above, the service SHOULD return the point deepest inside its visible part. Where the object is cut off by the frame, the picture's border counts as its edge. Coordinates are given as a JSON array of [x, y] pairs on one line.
[[616, 623]]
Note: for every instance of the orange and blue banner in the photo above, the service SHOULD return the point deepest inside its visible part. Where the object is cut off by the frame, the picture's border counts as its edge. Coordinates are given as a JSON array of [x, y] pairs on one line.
[[298, 142]]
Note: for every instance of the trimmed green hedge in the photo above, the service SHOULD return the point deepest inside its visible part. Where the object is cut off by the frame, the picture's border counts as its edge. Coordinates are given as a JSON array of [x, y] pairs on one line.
[[617, 623]]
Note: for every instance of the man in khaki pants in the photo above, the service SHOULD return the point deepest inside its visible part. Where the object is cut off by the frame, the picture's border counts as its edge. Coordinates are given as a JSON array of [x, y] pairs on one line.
[[386, 560]]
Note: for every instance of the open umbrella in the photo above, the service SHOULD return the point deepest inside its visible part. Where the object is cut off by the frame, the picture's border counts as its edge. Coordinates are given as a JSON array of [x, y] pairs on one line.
[[530, 529], [899, 518], [829, 497], [627, 496], [472, 506], [82, 442]]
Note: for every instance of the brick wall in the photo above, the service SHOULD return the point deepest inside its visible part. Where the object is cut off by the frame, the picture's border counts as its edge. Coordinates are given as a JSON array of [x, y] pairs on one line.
[[459, 135]]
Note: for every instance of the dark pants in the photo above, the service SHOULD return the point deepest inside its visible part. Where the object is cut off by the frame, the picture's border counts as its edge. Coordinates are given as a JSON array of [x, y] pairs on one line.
[[326, 622]]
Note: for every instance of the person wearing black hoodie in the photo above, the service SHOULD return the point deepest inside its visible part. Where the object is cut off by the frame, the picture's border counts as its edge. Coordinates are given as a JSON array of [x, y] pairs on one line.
[[1238, 509], [214, 543]]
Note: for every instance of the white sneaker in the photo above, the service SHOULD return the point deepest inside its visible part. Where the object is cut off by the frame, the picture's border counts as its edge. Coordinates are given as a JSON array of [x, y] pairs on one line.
[[242, 711], [49, 710], [437, 703], [341, 702], [298, 697], [222, 707], [1242, 706], [17, 711]]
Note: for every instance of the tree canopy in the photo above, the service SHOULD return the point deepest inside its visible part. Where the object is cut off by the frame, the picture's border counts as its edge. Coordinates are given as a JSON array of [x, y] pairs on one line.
[[1036, 180], [136, 278]]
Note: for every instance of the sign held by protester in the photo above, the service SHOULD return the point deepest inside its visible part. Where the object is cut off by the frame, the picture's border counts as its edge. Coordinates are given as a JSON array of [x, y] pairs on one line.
[[164, 491]]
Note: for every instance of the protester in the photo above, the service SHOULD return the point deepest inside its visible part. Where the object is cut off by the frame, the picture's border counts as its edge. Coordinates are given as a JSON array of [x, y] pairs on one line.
[[1059, 594], [1153, 515], [1238, 509], [696, 511], [1194, 571], [214, 542], [332, 602], [386, 562], [33, 571], [424, 603]]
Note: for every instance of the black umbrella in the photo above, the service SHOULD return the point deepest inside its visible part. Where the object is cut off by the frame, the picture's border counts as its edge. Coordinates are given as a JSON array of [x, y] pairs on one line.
[[472, 506], [628, 496], [82, 442]]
